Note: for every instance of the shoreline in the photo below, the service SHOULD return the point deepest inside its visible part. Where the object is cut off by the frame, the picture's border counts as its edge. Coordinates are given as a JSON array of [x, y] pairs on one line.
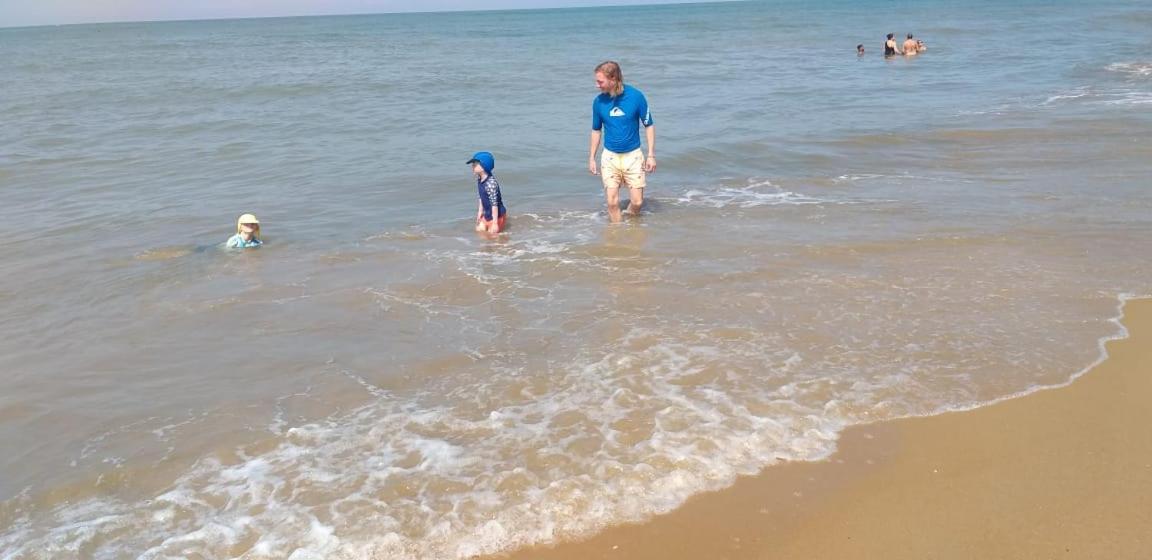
[[1059, 472]]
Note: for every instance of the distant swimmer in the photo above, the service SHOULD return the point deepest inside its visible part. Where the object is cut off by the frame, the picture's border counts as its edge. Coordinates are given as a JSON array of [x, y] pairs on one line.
[[910, 46], [247, 233], [617, 114], [890, 46], [860, 49], [491, 216]]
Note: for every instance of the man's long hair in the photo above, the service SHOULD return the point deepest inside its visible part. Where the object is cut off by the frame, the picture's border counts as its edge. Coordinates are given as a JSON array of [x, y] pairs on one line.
[[611, 70]]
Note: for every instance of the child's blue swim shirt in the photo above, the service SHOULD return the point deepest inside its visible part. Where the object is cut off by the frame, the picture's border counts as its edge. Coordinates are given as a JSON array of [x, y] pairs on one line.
[[237, 242], [489, 191]]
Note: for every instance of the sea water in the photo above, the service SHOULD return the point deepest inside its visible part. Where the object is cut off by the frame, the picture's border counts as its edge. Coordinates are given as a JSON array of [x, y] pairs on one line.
[[828, 240]]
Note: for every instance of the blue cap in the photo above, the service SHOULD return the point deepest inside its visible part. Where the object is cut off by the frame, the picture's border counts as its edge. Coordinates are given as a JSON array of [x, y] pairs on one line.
[[485, 160]]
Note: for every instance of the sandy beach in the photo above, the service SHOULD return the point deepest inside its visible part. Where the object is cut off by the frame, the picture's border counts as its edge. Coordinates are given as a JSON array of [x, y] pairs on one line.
[[1061, 473]]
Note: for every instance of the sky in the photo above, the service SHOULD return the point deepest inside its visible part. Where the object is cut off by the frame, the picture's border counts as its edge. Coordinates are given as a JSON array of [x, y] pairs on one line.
[[17, 13]]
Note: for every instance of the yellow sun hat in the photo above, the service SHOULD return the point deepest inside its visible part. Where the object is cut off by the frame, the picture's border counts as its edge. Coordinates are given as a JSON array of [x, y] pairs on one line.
[[248, 219]]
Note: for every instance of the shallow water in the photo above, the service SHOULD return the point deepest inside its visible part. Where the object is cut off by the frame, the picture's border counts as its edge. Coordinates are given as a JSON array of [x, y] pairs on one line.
[[829, 240]]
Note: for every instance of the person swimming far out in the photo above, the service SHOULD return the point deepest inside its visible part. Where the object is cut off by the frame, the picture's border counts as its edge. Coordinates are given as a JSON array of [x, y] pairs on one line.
[[860, 49], [247, 233]]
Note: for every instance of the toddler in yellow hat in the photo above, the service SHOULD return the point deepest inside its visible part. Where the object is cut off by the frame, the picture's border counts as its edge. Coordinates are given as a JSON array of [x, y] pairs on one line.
[[247, 233]]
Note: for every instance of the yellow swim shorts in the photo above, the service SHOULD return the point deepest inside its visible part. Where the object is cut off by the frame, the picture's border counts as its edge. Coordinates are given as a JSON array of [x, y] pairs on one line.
[[622, 169]]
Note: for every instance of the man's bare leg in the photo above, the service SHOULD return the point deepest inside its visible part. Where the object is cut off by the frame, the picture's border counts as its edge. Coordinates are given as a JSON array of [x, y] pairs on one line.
[[635, 201], [612, 198]]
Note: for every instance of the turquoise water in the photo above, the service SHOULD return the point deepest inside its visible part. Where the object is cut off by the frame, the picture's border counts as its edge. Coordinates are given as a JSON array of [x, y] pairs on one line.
[[830, 240]]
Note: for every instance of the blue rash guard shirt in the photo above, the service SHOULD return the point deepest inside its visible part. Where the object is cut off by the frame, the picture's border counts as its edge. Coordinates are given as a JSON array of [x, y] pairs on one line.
[[620, 117], [237, 242], [489, 191]]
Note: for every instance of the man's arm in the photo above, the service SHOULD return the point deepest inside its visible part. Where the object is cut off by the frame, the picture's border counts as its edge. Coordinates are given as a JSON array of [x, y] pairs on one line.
[[593, 145], [650, 161]]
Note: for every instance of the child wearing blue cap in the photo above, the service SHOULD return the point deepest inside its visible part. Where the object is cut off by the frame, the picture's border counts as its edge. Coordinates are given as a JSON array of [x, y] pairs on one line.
[[491, 215]]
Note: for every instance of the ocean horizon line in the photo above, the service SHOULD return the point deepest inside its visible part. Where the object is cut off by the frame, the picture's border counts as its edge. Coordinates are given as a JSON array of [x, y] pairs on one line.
[[411, 12]]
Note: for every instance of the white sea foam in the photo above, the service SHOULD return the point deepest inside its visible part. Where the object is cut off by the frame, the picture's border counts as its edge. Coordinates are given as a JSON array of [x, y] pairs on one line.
[[452, 482], [979, 112], [1128, 98], [1097, 96], [756, 193], [1133, 69], [867, 177], [1075, 94], [1121, 332]]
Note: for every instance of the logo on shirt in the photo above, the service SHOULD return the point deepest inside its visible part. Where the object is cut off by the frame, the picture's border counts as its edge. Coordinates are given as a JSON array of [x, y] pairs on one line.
[[616, 112]]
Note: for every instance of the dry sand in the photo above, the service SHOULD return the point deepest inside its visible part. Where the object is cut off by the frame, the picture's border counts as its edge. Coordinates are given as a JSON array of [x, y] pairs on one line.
[[1062, 473]]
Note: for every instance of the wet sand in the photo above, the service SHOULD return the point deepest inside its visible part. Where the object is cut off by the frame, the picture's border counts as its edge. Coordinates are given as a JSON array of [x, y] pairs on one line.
[[1062, 473]]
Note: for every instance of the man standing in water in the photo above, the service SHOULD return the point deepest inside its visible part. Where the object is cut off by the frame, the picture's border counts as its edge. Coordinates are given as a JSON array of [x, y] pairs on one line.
[[617, 114], [910, 46]]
